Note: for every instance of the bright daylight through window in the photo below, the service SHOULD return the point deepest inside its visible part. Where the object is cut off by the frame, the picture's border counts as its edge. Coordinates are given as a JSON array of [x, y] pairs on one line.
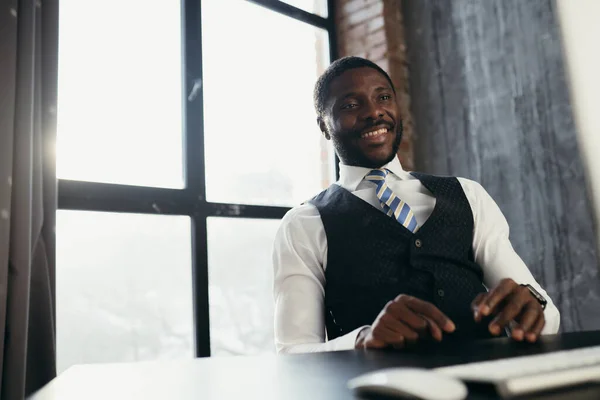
[[129, 275]]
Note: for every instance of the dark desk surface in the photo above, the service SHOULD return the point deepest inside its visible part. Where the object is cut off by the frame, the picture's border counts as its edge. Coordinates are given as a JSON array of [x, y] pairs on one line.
[[290, 377]]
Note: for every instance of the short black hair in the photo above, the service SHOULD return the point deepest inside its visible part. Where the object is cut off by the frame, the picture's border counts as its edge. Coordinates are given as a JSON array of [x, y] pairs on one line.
[[337, 68]]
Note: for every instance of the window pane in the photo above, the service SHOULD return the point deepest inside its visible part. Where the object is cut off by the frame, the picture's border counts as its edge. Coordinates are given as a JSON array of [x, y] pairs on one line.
[[241, 285], [124, 288], [119, 92], [263, 145], [318, 7]]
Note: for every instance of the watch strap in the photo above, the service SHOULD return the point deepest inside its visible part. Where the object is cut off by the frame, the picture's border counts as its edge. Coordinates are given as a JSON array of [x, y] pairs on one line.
[[543, 302]]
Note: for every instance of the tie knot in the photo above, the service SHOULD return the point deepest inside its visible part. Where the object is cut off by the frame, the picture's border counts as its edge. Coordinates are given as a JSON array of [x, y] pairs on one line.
[[377, 175]]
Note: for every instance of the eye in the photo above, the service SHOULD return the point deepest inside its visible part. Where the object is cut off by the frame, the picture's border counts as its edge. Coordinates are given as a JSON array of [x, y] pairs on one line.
[[385, 97], [349, 106]]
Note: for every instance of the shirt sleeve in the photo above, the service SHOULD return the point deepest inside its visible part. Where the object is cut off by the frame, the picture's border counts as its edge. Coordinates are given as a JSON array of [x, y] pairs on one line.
[[494, 252], [299, 255]]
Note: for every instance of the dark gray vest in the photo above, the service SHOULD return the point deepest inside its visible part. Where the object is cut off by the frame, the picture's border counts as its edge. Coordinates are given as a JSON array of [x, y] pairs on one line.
[[372, 258]]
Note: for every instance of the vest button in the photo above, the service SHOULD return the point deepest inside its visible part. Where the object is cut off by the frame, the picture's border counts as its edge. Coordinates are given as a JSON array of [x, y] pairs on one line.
[[418, 243], [441, 292]]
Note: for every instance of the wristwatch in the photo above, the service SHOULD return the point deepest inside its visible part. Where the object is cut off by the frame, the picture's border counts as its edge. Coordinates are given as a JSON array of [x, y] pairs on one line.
[[537, 295]]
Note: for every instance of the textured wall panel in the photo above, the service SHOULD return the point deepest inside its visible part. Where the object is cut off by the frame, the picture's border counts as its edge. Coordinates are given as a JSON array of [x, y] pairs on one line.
[[490, 102]]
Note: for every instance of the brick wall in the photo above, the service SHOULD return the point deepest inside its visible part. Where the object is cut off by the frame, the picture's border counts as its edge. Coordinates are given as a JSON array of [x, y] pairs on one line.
[[373, 29]]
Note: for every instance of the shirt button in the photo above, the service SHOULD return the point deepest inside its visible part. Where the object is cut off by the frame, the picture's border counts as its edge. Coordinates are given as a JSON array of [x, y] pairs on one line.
[[418, 243], [441, 292]]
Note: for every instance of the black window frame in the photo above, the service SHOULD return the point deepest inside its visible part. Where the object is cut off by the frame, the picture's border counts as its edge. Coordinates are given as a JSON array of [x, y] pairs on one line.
[[191, 200]]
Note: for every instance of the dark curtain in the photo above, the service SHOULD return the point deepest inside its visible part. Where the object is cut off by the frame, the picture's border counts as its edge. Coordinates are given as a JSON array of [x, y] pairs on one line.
[[28, 79]]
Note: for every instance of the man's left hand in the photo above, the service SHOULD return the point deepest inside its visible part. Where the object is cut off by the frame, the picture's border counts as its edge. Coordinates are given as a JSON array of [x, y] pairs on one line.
[[511, 302]]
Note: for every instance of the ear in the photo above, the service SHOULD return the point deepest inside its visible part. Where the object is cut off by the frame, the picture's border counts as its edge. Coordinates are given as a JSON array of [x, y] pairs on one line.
[[323, 128]]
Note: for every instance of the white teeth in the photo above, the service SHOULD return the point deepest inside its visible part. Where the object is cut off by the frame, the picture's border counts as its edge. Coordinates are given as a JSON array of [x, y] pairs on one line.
[[374, 133]]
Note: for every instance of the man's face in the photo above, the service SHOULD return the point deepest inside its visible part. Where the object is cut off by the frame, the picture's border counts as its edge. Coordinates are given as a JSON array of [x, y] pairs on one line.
[[361, 117]]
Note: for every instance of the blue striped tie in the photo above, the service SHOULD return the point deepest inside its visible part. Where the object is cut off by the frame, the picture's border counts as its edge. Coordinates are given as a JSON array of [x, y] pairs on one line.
[[391, 204]]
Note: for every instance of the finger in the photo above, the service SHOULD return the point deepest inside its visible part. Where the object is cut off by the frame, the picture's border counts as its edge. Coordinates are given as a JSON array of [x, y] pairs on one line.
[[366, 340], [517, 334], [476, 304], [521, 325], [495, 296], [372, 343], [514, 307], [434, 329], [535, 332], [402, 313], [509, 312], [395, 325], [400, 345], [432, 312], [387, 335], [530, 315]]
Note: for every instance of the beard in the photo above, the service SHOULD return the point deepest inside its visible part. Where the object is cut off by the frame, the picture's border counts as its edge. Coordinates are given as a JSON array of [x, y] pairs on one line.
[[351, 155]]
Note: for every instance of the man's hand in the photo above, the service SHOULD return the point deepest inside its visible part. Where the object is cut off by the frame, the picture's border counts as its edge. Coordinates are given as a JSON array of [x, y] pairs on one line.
[[511, 302], [404, 320]]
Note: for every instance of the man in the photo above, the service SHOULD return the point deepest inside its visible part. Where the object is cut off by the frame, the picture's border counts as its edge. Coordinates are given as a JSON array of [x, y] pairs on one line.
[[387, 258]]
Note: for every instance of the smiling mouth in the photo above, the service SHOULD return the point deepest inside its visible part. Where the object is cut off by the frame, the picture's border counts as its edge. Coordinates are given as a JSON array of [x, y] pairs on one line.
[[374, 134]]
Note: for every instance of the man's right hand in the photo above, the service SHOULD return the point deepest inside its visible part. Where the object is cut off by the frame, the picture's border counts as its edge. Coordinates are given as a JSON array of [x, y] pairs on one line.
[[405, 320]]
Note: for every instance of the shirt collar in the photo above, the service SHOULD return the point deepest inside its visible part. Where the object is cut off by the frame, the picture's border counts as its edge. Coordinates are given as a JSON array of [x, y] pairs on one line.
[[351, 177]]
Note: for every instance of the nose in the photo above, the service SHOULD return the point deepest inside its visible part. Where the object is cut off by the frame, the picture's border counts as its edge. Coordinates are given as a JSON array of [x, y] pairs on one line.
[[373, 111]]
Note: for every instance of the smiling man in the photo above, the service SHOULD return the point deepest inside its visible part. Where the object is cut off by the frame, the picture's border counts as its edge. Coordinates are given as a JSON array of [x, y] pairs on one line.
[[387, 258]]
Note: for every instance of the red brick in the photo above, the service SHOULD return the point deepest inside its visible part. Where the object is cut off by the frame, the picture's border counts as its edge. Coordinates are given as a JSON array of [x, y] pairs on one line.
[[357, 53], [378, 52], [354, 5], [364, 14], [375, 38], [405, 145], [384, 64], [355, 33], [375, 23]]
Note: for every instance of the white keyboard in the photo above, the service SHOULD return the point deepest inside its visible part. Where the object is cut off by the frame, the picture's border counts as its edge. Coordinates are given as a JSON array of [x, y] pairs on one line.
[[521, 375]]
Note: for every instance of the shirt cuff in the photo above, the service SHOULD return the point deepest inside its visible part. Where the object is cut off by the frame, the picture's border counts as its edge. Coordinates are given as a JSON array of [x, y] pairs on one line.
[[552, 317], [348, 341]]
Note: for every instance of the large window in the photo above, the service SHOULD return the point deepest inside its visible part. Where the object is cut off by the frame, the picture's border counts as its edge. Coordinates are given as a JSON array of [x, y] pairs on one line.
[[185, 132]]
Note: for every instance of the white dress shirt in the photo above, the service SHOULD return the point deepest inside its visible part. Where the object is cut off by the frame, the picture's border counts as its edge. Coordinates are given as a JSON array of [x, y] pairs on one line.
[[300, 257]]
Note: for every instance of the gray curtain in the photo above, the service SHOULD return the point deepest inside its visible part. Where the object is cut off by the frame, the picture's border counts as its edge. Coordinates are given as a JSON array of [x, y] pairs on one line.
[[28, 77]]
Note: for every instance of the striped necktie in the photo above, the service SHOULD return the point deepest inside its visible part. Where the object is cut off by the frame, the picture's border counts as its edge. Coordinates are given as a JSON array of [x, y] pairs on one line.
[[391, 204]]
